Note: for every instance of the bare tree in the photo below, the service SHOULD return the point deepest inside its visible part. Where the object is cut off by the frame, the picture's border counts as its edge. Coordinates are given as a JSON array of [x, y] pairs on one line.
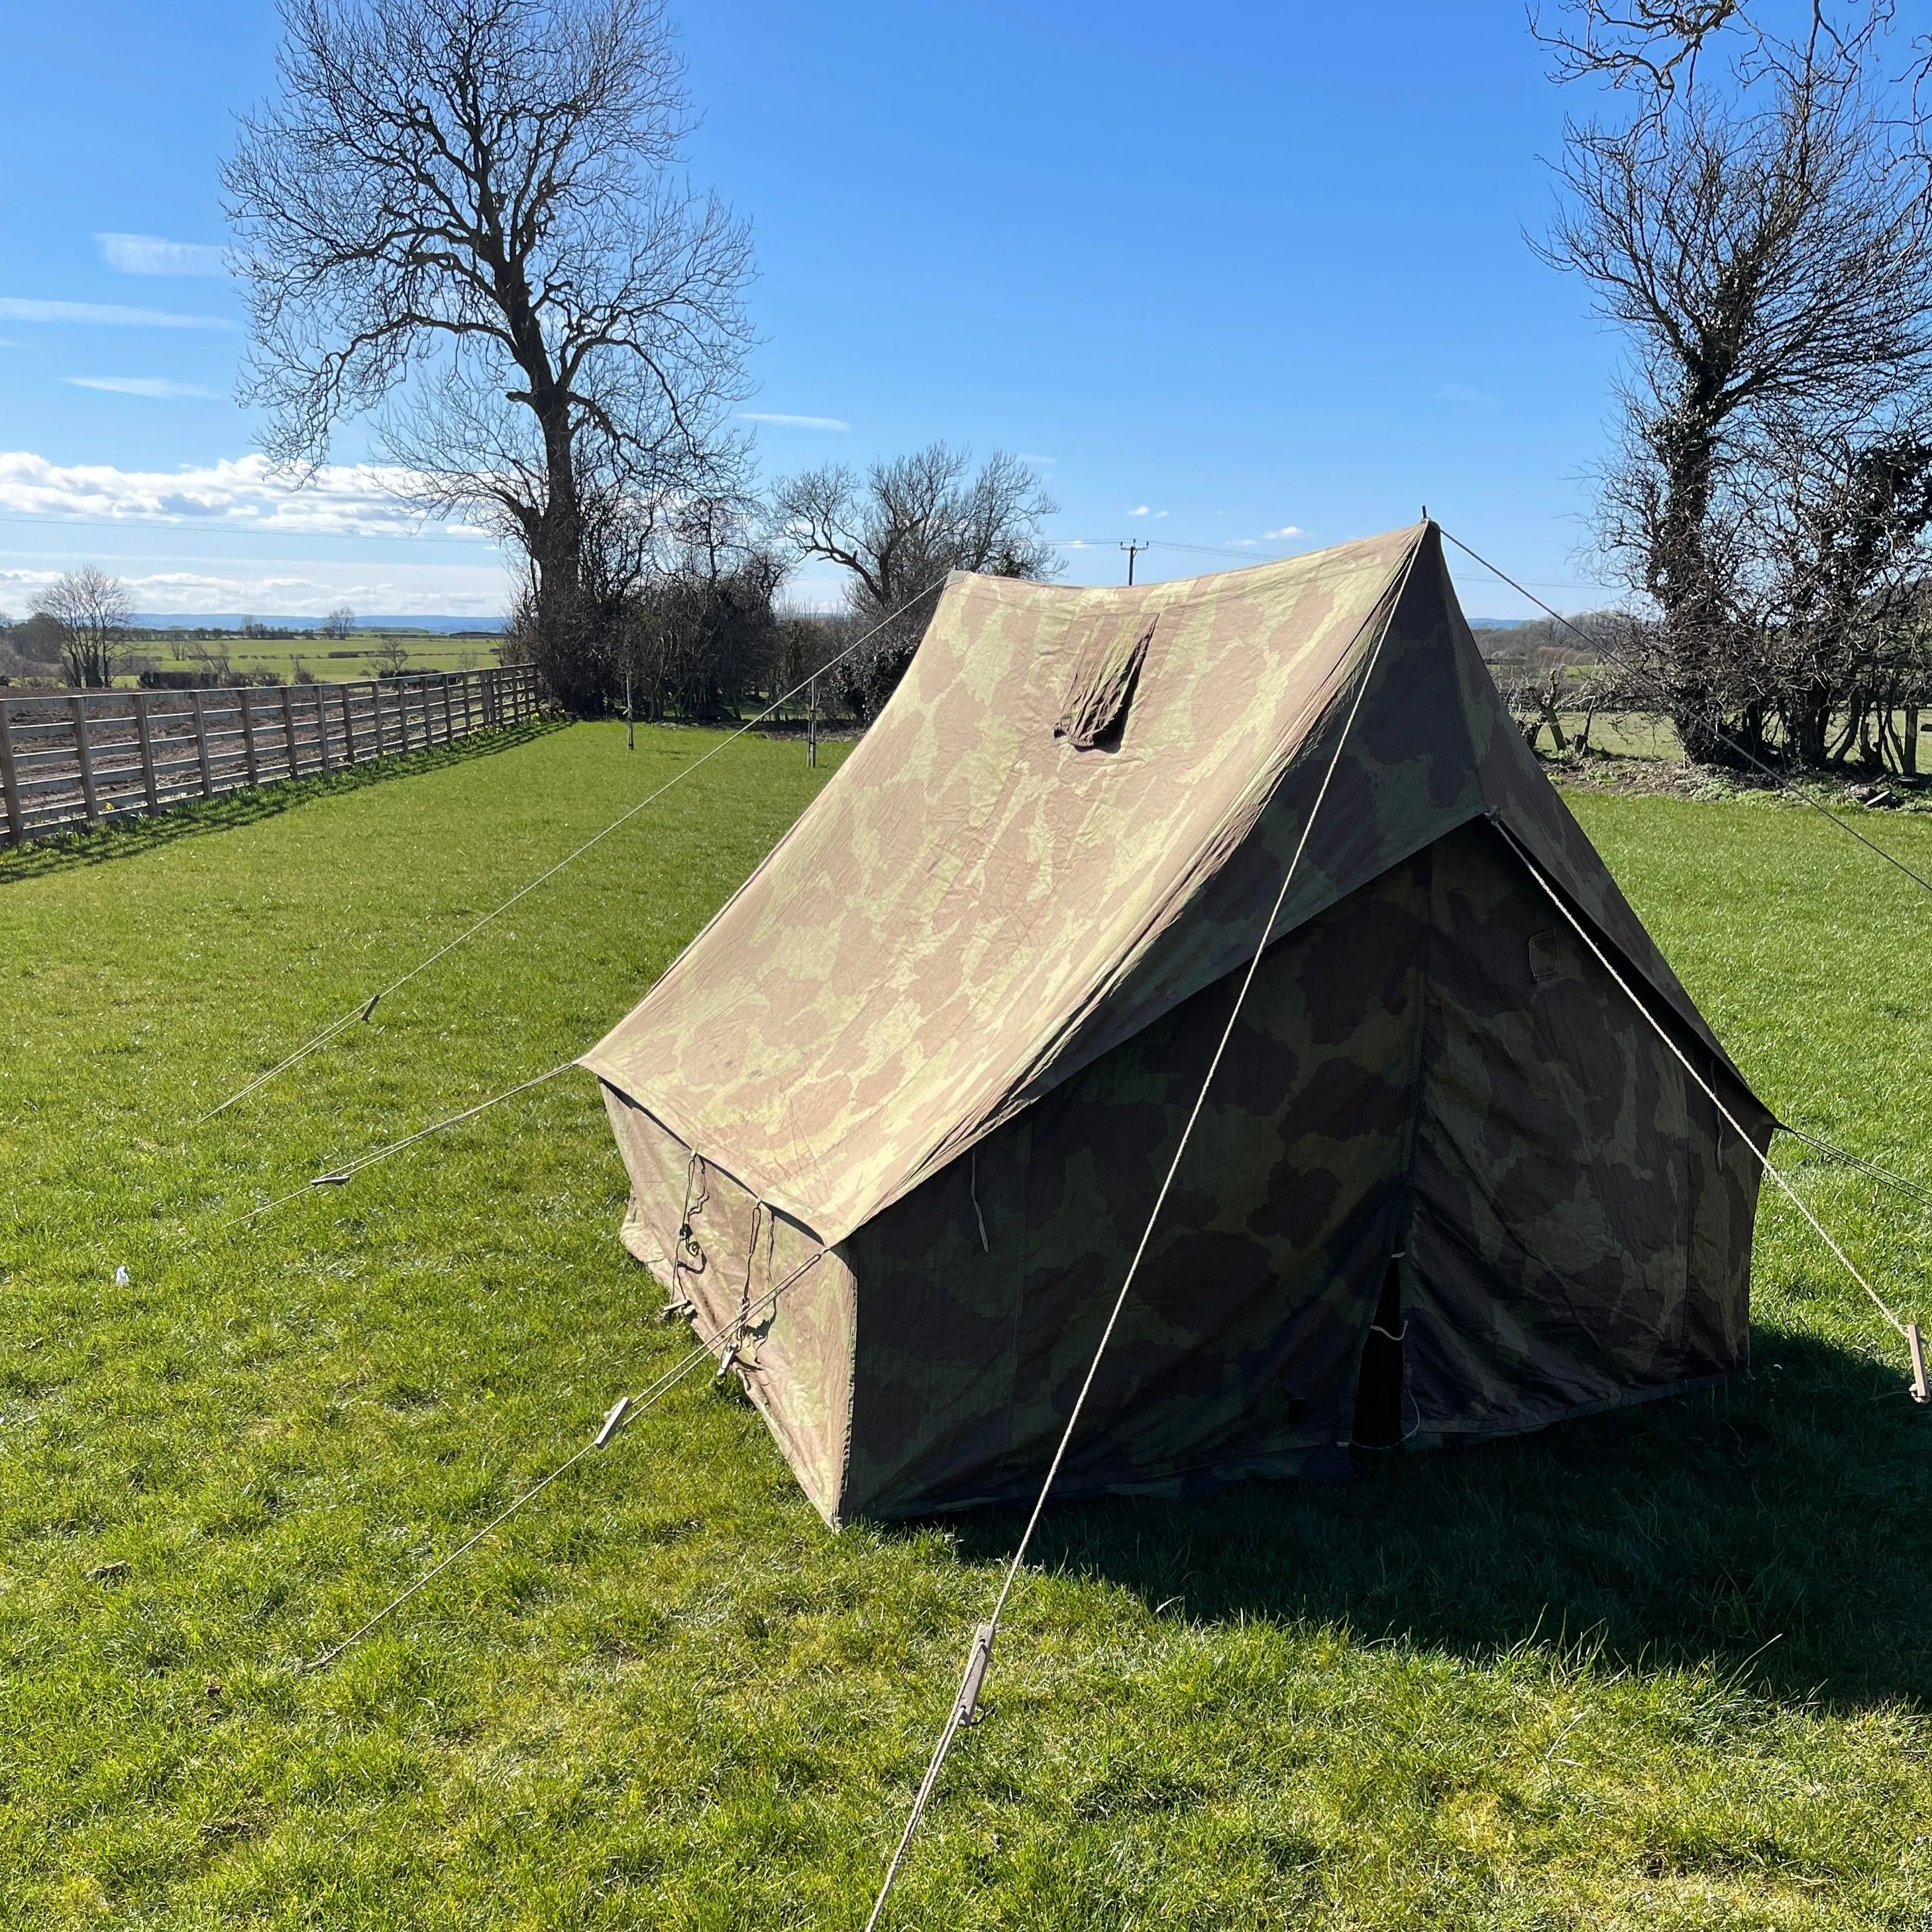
[[94, 611], [459, 215], [390, 656], [1772, 260], [339, 623], [37, 640], [1849, 518], [1653, 49], [700, 631], [900, 531], [212, 659]]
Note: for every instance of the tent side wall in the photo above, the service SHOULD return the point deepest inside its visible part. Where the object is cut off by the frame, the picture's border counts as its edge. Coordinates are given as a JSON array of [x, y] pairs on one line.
[[1582, 1226], [1236, 1352], [1427, 1066], [795, 1355]]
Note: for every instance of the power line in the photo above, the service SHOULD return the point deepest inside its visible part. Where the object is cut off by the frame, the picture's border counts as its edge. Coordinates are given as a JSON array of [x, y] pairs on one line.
[[1256, 557]]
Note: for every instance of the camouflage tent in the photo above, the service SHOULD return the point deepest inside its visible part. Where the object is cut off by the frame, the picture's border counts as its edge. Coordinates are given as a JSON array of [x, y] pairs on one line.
[[1449, 1182]]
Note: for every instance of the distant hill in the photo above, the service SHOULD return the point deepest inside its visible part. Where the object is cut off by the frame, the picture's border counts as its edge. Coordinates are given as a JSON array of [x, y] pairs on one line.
[[229, 620]]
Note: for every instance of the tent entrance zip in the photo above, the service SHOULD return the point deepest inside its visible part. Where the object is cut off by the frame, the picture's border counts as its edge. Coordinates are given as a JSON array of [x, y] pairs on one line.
[[1377, 1423]]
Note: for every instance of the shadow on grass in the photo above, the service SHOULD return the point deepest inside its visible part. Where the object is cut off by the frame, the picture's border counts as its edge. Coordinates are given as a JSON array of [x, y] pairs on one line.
[[128, 838], [1780, 1529]]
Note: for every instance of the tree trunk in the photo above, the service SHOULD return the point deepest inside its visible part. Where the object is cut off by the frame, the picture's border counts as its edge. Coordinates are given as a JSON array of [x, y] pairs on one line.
[[567, 643], [1811, 725]]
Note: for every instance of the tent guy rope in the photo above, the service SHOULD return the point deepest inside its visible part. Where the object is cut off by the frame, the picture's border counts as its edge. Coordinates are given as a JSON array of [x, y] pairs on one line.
[[365, 1008], [1779, 779], [341, 1176], [1870, 1169], [621, 1413], [980, 1658], [1908, 1330]]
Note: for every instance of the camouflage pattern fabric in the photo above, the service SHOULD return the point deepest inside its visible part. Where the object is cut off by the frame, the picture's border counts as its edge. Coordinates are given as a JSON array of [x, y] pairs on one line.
[[949, 1031]]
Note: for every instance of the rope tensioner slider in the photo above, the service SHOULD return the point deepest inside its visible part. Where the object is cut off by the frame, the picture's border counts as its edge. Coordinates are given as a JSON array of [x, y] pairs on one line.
[[967, 1703]]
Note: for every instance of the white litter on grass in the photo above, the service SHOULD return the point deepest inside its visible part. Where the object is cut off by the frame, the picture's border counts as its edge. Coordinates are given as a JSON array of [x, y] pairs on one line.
[[121, 1275]]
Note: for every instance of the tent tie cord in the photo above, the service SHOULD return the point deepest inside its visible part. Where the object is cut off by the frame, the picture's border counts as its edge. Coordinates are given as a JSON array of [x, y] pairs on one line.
[[366, 1008], [1908, 1330], [621, 1413], [1779, 779], [1869, 1168], [966, 1702], [341, 1177]]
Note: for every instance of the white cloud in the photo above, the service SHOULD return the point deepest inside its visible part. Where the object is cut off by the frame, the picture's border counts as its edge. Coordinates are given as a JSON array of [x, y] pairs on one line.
[[1026, 456], [1283, 535], [1145, 511], [1461, 392], [158, 386], [792, 422], [149, 255], [341, 500], [21, 308], [293, 590]]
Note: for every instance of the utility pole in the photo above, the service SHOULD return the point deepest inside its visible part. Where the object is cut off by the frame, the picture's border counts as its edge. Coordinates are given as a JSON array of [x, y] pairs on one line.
[[1133, 550], [812, 724]]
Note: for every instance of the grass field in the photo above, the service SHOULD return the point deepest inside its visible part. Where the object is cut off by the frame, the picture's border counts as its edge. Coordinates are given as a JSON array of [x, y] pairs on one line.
[[332, 660], [1665, 1669]]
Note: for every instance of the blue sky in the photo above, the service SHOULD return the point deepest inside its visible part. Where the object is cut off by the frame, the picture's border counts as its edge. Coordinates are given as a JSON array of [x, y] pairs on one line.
[[1243, 279]]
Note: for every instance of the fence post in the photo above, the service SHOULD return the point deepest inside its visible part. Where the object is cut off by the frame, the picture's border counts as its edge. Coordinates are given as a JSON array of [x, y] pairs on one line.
[[288, 733], [449, 730], [201, 743], [321, 731], [248, 732], [348, 726], [84, 754], [149, 784], [402, 711], [10, 779]]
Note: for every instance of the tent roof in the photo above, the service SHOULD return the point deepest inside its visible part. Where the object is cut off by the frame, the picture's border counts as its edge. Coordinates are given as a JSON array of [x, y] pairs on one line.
[[976, 905]]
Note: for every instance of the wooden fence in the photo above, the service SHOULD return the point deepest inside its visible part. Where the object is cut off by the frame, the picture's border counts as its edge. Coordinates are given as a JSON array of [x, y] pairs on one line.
[[69, 759]]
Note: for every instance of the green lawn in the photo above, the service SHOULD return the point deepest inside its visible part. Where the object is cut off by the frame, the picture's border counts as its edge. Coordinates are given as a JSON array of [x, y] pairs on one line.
[[1668, 1668], [331, 659]]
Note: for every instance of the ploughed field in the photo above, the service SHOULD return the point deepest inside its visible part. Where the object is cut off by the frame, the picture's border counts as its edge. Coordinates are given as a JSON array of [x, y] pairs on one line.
[[1665, 1668]]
